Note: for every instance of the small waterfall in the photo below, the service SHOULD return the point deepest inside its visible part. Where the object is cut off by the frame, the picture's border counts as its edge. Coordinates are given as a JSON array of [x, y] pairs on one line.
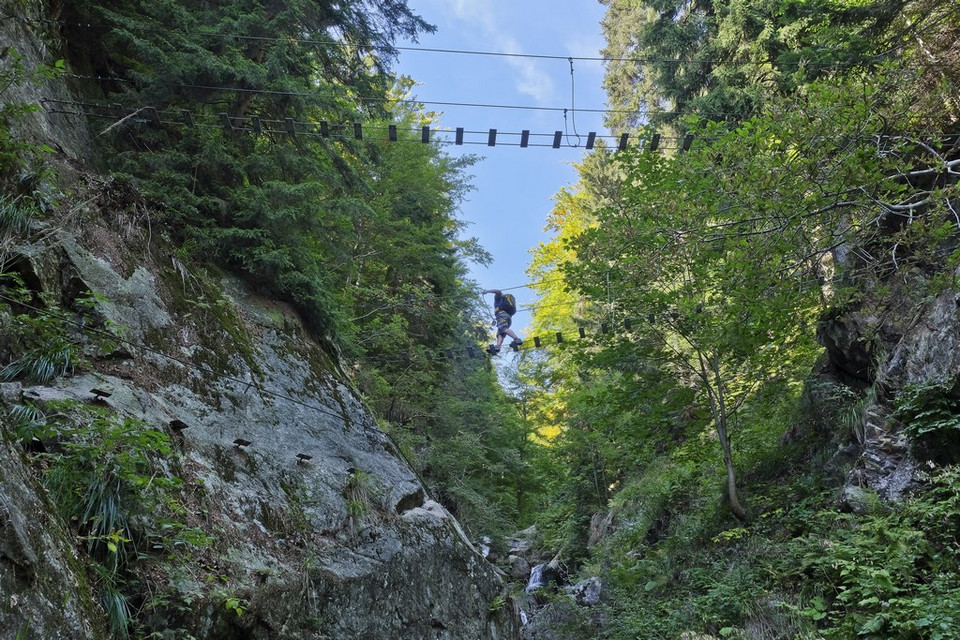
[[538, 578]]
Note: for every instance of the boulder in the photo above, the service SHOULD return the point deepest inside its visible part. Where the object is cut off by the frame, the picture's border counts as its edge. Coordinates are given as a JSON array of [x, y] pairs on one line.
[[587, 593], [518, 567]]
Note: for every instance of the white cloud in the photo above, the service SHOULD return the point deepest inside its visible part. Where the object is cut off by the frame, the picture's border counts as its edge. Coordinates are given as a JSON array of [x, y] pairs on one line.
[[472, 12], [586, 45], [529, 77], [487, 22]]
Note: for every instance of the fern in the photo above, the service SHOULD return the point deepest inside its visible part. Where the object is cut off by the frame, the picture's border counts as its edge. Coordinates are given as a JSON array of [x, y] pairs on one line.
[[41, 366], [930, 415], [928, 409], [14, 217], [115, 603]]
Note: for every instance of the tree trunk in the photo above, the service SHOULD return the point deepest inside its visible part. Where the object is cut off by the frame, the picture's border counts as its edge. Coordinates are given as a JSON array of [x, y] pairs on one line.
[[732, 496], [718, 411]]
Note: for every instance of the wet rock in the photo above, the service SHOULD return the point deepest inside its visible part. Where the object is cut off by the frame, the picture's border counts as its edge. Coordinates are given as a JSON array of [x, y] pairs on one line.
[[518, 567], [522, 543], [587, 593]]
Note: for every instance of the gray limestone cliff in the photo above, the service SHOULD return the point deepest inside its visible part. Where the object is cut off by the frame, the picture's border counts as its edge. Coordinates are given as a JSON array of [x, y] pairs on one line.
[[319, 526], [306, 546]]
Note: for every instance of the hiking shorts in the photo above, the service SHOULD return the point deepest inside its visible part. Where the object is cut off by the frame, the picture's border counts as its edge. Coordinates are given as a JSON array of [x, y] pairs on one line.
[[503, 322]]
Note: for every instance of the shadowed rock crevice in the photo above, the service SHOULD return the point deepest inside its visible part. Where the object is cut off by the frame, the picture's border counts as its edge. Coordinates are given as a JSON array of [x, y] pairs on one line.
[[410, 501]]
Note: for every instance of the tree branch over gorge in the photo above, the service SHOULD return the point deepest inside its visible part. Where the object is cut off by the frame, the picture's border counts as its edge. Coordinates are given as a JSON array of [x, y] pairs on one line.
[[766, 225]]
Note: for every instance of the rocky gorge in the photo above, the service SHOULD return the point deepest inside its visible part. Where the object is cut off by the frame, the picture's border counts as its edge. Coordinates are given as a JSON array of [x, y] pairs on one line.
[[185, 453]]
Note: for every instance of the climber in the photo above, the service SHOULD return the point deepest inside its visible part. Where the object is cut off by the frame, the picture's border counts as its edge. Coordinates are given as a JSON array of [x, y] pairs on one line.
[[504, 306]]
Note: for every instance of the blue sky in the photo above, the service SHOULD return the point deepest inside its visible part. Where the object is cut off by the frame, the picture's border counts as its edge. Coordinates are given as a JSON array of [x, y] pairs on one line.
[[513, 187]]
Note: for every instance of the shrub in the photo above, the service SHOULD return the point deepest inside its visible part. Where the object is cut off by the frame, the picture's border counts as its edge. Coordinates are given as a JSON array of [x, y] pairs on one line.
[[930, 414]]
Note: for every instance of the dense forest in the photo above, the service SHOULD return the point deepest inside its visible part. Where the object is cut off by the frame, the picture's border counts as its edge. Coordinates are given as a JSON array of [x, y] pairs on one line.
[[744, 277], [805, 184]]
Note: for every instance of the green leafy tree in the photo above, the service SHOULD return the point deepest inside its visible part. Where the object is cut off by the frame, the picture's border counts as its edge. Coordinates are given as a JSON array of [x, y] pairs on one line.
[[812, 188], [718, 255], [724, 60]]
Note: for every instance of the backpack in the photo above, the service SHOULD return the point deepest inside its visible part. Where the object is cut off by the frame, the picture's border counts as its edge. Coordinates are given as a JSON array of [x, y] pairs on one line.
[[508, 303]]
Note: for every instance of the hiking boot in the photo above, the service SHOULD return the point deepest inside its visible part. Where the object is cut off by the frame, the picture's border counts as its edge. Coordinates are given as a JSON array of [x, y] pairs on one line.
[[516, 343], [493, 349]]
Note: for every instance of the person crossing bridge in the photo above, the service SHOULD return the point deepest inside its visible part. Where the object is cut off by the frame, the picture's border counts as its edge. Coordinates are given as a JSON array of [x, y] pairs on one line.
[[504, 306]]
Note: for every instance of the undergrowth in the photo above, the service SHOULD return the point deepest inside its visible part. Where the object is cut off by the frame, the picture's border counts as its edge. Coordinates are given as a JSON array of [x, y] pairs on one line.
[[803, 567], [107, 476]]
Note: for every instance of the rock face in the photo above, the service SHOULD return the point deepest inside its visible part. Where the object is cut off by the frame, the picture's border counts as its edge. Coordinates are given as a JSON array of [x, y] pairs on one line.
[[909, 343], [929, 350], [25, 29], [321, 528]]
